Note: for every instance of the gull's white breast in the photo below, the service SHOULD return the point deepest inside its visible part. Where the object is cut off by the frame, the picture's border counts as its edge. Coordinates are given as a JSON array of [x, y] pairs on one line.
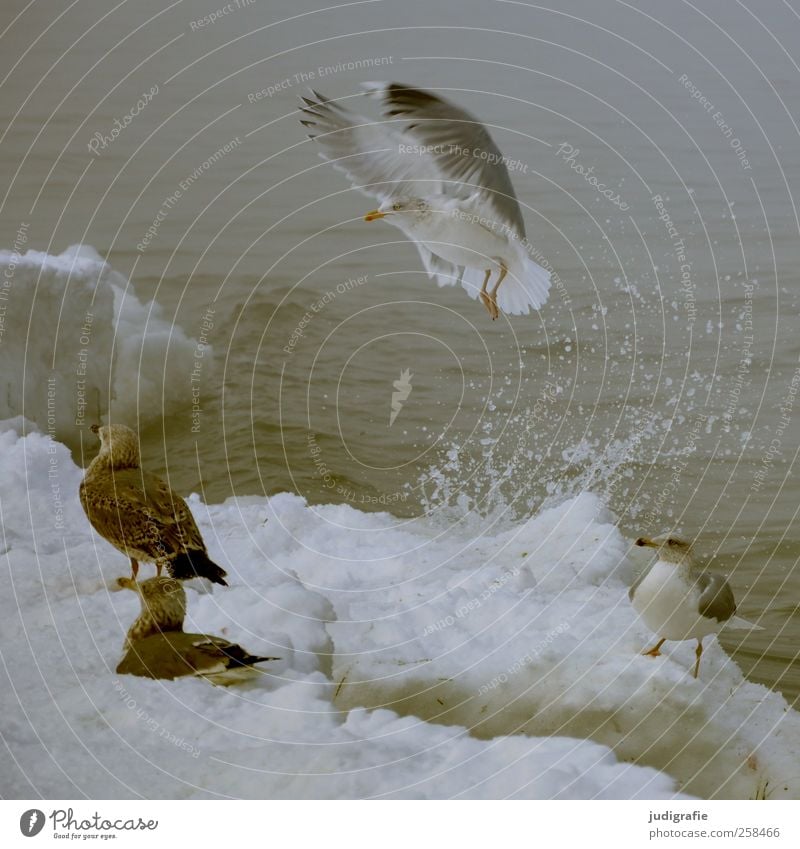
[[668, 601], [459, 238]]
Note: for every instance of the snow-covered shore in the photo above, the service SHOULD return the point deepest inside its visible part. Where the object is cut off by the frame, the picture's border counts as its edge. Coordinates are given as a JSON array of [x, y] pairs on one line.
[[433, 629], [82, 343]]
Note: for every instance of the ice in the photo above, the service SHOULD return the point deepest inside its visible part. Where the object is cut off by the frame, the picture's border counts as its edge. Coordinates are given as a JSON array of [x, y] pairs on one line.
[[76, 332], [417, 660]]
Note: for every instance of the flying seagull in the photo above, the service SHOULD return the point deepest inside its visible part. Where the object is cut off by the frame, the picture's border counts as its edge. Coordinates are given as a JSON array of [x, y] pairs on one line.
[[139, 514], [156, 645], [678, 601], [443, 181]]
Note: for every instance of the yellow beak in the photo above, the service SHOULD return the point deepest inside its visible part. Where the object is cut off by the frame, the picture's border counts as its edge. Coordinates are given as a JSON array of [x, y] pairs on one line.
[[647, 542], [376, 213]]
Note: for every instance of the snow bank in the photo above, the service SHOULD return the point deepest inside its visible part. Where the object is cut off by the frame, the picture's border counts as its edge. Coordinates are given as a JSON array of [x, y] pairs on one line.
[[529, 630], [76, 343], [73, 727]]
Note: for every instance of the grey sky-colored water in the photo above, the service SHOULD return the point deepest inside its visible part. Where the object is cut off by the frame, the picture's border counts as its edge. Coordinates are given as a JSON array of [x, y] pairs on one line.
[[657, 162]]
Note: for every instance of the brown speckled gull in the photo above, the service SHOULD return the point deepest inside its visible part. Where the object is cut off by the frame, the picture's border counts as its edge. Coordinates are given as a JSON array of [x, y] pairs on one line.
[[139, 514], [156, 645]]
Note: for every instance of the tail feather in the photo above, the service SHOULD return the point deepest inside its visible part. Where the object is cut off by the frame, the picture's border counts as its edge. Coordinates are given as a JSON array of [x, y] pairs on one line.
[[239, 657], [525, 287], [196, 564], [736, 622]]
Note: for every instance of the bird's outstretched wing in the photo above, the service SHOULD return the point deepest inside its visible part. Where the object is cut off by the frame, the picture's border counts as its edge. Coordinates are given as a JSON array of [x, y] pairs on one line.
[[424, 145], [371, 153]]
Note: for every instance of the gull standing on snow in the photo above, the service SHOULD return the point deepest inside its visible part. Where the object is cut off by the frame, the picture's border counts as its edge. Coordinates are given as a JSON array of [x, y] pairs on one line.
[[157, 646], [443, 181], [678, 601], [139, 514]]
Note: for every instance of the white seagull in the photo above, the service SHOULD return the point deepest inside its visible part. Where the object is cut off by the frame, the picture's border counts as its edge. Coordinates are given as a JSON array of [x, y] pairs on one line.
[[678, 601], [443, 181]]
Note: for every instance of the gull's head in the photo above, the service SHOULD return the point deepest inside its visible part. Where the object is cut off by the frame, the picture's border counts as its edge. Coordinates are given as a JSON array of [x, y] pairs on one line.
[[408, 208], [119, 446], [670, 548], [163, 599]]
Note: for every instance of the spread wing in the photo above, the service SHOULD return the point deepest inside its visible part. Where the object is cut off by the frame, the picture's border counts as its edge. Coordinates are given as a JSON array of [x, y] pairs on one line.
[[425, 145], [716, 597], [133, 508]]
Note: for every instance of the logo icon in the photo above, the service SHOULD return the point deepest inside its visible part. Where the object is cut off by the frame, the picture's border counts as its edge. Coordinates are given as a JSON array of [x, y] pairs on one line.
[[31, 822], [401, 393]]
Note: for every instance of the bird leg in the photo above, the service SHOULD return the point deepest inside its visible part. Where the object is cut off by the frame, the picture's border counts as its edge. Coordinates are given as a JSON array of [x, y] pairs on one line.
[[485, 295], [493, 293], [159, 567], [698, 653], [134, 568], [655, 651]]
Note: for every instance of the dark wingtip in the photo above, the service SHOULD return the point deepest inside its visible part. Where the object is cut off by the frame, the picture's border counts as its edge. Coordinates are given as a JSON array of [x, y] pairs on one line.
[[196, 564]]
